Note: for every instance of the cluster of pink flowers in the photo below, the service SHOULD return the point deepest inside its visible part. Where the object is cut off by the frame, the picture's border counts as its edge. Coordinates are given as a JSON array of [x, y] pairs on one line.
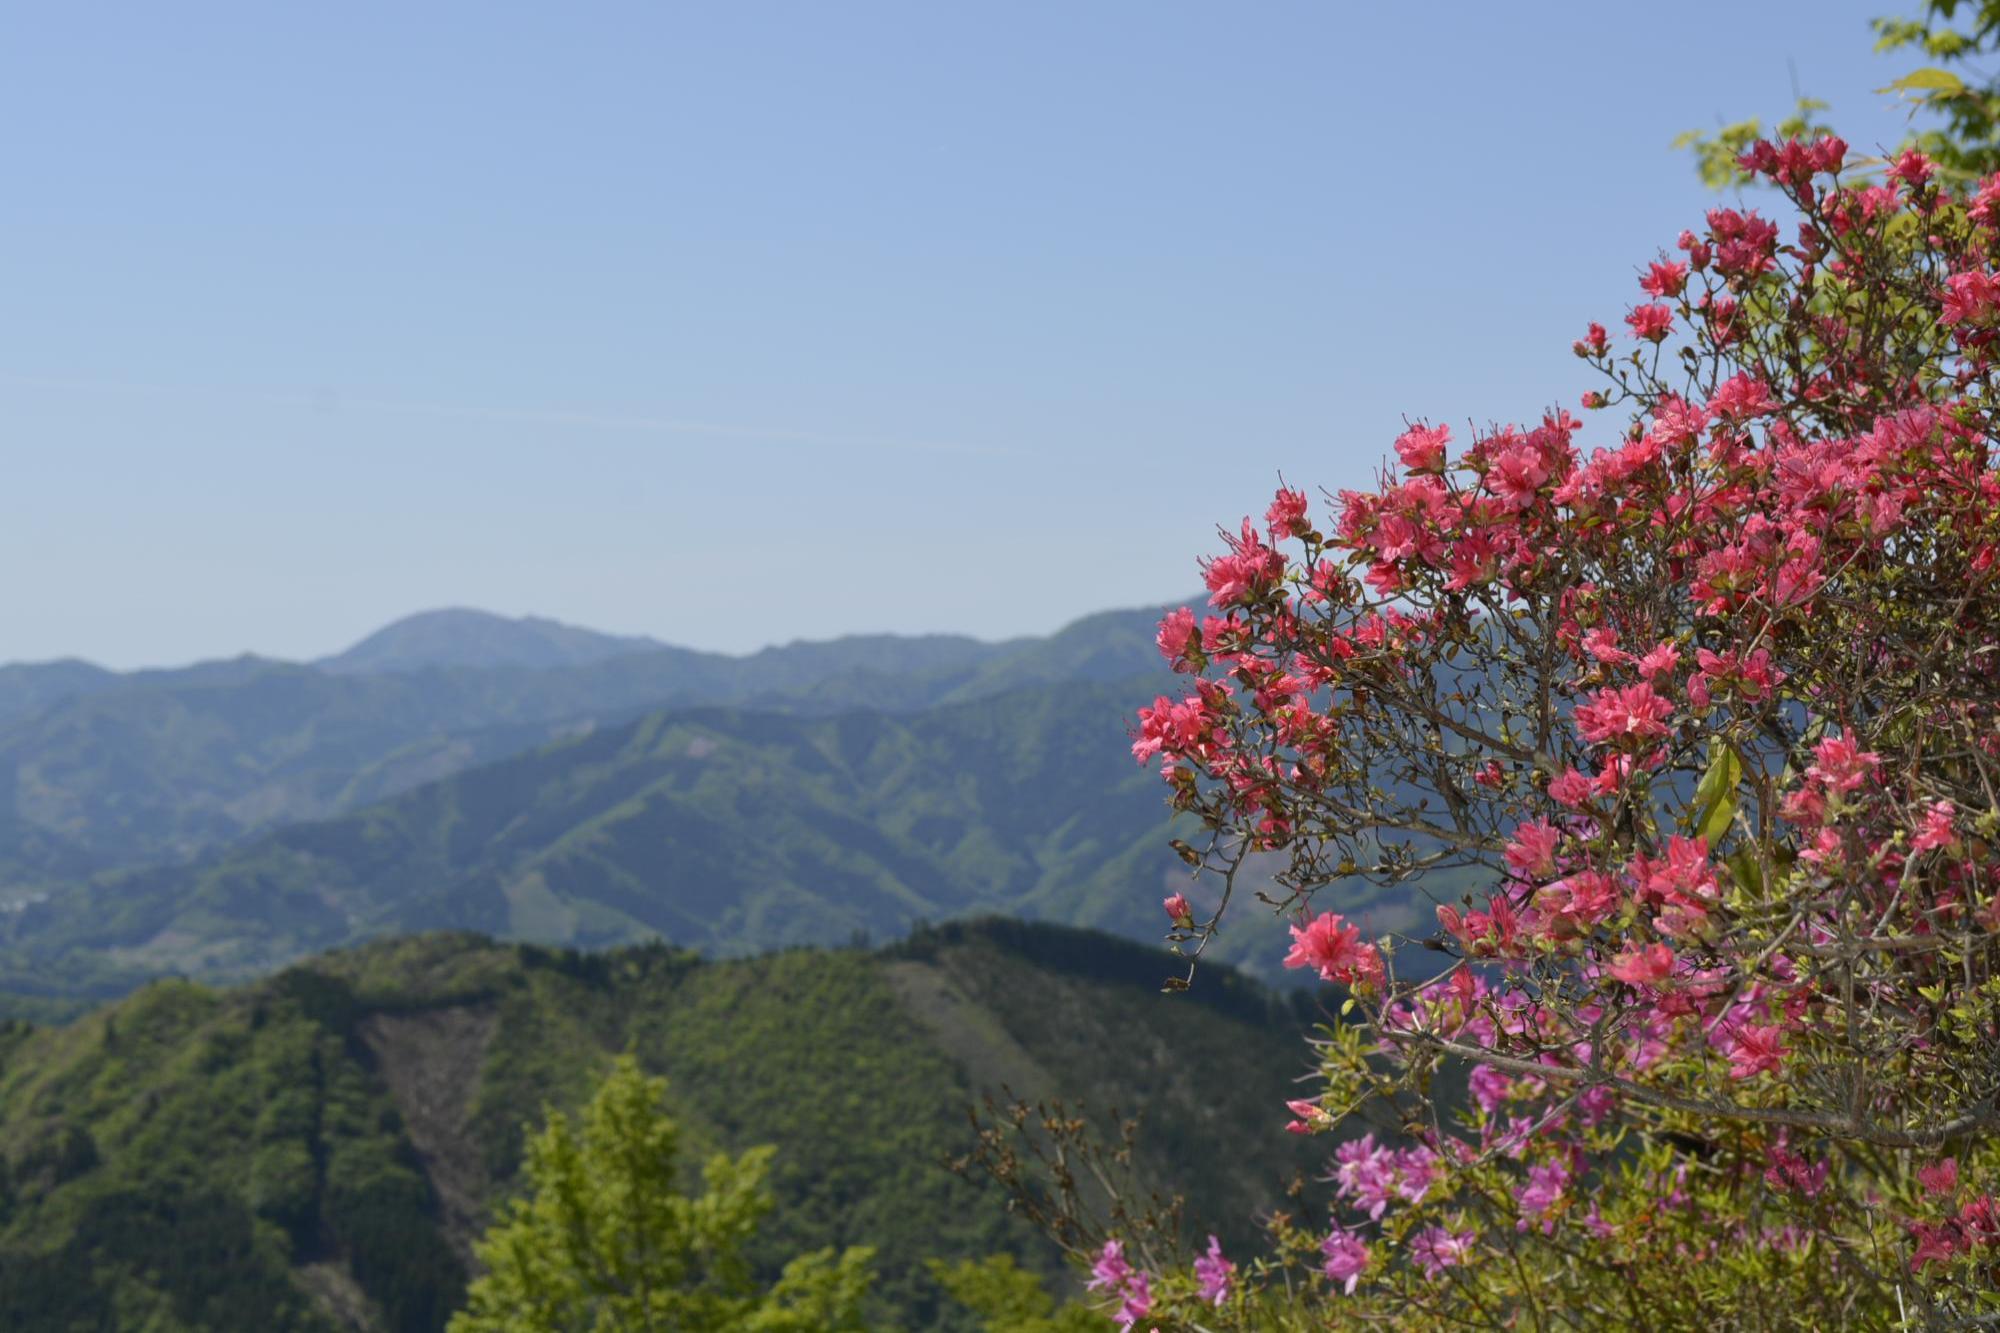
[[1133, 1287], [1650, 690], [1370, 1176]]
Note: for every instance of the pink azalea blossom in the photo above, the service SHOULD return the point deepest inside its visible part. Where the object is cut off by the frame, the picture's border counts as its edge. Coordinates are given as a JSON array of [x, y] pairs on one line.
[[1912, 168], [1756, 1048], [1307, 1116], [1214, 1274], [1110, 1270], [1659, 661], [1346, 1258], [1939, 1177], [1665, 278], [1334, 947], [1644, 966], [1619, 715], [1177, 636], [1532, 852], [1435, 1249], [1544, 1188], [1490, 1088], [1287, 515], [1650, 323], [1422, 448], [1138, 1301], [1249, 568], [1936, 830]]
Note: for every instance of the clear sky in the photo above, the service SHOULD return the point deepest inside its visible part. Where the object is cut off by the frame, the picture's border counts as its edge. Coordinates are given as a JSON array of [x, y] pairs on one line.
[[734, 323]]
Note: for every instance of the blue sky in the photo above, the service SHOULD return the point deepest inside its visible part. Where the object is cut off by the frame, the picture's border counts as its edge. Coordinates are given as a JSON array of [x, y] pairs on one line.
[[738, 323]]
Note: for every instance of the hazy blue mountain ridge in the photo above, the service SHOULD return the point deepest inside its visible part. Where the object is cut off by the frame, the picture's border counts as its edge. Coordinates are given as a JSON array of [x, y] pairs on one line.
[[459, 636], [160, 765]]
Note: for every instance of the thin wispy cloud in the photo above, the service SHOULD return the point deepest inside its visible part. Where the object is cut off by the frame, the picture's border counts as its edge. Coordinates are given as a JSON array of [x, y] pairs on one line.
[[331, 401]]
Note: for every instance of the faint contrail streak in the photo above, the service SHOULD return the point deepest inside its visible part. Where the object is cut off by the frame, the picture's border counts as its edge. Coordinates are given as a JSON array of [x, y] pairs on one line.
[[335, 402]]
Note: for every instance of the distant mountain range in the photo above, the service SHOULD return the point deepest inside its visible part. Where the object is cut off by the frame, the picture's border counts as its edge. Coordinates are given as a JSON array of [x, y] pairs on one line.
[[127, 769], [461, 637], [223, 820]]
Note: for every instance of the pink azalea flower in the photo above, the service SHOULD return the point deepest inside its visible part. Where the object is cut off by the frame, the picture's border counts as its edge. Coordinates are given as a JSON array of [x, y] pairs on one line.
[[1571, 788], [1435, 1249], [1841, 765], [1111, 1269], [1651, 323], [1346, 1258], [1287, 515], [1532, 852], [1138, 1302], [1939, 1177], [1250, 568], [1644, 966], [1757, 1048], [1490, 1088], [1176, 636], [1665, 278], [1517, 475], [1936, 831], [1334, 947], [1543, 1189], [1422, 448], [1213, 1274], [1308, 1116], [1616, 715], [1912, 168], [1659, 661]]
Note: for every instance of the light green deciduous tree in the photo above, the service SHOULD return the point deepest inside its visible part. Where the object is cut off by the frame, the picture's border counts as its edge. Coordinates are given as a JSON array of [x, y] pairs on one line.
[[605, 1239], [1009, 1299]]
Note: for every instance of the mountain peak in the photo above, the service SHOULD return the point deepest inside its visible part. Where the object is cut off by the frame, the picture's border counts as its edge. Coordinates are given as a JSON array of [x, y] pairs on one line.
[[464, 637]]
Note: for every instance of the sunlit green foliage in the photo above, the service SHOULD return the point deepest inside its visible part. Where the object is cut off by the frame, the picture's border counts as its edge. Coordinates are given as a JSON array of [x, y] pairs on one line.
[[1008, 1299], [1953, 100], [264, 1158], [605, 1241]]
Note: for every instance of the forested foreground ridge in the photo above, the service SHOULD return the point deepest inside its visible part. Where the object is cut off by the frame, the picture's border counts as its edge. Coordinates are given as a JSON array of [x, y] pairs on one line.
[[320, 1150]]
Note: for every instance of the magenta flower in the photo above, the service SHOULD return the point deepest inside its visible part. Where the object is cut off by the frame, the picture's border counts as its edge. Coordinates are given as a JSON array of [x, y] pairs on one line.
[[1346, 1258], [1110, 1271], [1435, 1249], [1214, 1274], [1138, 1302]]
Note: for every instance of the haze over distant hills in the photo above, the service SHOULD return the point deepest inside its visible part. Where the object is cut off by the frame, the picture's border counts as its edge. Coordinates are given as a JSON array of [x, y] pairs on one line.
[[223, 819], [128, 768], [461, 637]]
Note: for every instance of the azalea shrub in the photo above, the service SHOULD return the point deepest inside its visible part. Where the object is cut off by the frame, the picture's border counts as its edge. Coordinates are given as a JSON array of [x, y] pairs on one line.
[[1703, 694]]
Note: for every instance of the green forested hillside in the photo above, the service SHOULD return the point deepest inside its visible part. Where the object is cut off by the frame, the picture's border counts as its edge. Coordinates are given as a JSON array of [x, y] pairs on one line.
[[160, 765], [718, 829], [315, 1151]]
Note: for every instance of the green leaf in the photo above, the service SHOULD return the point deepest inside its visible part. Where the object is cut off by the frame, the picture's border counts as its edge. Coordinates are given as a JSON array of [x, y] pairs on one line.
[[1930, 81], [1715, 795], [1748, 872]]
